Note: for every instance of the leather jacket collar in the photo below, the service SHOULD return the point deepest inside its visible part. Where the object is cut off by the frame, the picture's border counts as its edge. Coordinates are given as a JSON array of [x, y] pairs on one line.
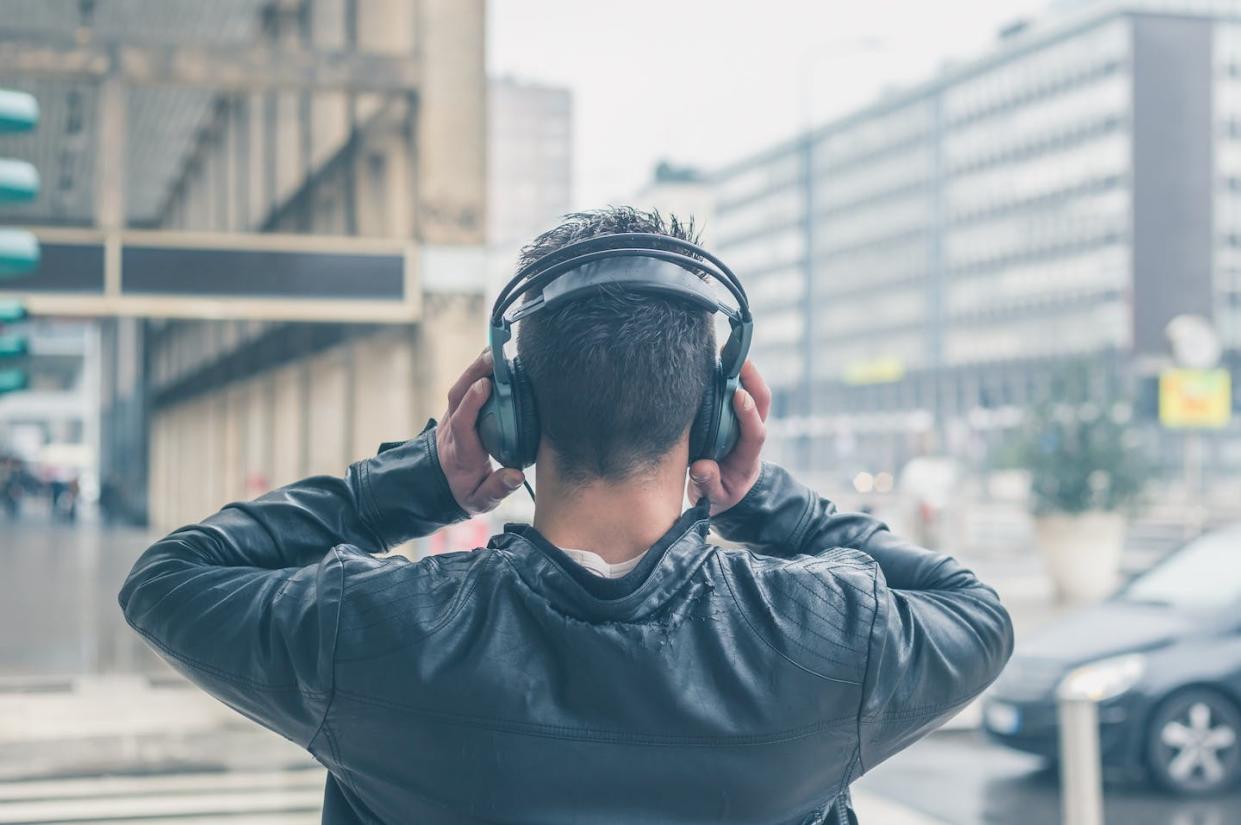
[[665, 568]]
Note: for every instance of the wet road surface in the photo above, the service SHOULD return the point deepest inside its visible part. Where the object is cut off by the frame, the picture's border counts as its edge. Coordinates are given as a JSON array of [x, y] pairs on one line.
[[962, 779]]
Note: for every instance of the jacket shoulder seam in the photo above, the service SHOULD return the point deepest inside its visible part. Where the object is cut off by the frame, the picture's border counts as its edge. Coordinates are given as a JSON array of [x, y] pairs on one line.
[[369, 512], [870, 653], [762, 638], [468, 586], [331, 695]]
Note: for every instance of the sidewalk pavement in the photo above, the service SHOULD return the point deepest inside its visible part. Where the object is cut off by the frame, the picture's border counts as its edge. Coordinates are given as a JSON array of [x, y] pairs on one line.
[[882, 811]]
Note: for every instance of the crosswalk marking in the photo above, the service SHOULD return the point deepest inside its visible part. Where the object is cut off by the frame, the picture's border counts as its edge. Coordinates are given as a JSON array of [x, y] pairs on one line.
[[259, 798]]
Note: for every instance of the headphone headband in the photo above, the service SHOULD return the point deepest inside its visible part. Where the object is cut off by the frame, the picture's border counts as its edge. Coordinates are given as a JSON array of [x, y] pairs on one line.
[[651, 270], [687, 255]]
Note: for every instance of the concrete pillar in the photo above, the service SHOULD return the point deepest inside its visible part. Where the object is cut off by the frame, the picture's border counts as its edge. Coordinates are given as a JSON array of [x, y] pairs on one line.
[[289, 416], [452, 334], [329, 382], [256, 437], [450, 122], [384, 389], [110, 156], [256, 175]]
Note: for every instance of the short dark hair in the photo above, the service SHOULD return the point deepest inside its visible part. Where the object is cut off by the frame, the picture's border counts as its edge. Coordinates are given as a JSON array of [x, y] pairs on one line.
[[618, 376]]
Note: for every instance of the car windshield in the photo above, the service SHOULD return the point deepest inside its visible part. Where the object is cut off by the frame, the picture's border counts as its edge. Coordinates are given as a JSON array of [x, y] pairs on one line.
[[1205, 574]]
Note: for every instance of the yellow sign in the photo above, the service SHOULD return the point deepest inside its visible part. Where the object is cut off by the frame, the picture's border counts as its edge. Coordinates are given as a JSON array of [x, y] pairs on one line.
[[1195, 398], [875, 371]]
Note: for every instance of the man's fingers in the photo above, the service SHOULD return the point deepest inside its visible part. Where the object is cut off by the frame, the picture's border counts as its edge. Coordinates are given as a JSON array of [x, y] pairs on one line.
[[464, 421], [494, 488], [466, 413], [757, 387], [753, 431], [479, 368]]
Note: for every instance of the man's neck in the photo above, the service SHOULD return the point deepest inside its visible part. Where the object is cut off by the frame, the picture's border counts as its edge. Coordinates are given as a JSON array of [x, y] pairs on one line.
[[618, 521]]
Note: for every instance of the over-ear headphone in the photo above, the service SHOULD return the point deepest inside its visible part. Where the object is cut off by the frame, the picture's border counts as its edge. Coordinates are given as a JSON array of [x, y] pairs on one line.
[[648, 262]]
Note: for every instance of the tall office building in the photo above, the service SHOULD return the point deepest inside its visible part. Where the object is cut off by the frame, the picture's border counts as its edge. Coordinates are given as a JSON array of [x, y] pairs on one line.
[[529, 168], [684, 191], [922, 268], [529, 158]]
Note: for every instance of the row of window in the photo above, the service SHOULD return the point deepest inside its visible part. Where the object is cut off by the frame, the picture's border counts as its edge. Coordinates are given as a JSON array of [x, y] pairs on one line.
[[896, 217], [784, 169], [1049, 122], [775, 209], [1012, 239], [842, 187], [838, 316], [763, 253], [1091, 328], [908, 348], [776, 288], [1056, 66], [871, 135], [1105, 157], [1103, 268]]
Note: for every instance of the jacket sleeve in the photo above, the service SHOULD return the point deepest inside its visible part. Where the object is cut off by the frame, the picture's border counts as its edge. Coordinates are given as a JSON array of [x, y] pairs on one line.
[[937, 635], [246, 603]]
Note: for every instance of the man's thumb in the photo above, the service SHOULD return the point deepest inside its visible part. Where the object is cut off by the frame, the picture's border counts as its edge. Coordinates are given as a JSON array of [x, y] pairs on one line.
[[705, 475]]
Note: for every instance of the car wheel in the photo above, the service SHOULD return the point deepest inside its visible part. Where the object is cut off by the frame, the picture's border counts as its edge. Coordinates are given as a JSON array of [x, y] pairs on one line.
[[1194, 742]]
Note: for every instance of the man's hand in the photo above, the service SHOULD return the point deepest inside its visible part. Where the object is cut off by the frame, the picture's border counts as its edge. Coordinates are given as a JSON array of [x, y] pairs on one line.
[[726, 482], [465, 462]]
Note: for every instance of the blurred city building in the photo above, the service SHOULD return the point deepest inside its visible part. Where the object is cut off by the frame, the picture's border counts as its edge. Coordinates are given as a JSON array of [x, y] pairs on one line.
[[684, 191], [921, 268], [276, 208], [529, 159], [53, 427], [529, 168]]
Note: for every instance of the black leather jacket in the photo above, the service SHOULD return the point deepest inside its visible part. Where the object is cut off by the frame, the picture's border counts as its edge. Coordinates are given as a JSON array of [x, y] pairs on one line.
[[509, 685]]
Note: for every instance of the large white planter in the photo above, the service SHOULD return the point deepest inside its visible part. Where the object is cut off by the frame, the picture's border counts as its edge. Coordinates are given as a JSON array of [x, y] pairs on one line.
[[1082, 553]]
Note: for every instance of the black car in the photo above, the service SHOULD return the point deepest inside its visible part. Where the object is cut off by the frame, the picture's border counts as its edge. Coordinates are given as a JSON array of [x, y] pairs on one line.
[[1164, 657]]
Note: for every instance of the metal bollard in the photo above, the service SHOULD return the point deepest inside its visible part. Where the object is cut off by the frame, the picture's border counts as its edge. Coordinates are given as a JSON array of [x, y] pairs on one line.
[[1081, 774]]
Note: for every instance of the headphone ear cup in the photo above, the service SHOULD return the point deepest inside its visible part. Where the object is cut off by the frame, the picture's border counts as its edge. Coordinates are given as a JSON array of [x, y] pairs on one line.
[[703, 431], [527, 447], [490, 428], [729, 428]]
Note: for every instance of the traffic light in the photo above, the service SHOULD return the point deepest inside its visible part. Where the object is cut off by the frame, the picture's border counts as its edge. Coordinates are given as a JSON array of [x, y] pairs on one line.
[[12, 311], [13, 346], [13, 350], [13, 381], [19, 182]]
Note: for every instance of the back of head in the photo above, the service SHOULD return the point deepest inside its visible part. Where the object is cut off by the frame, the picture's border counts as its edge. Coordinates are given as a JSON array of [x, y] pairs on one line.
[[618, 376]]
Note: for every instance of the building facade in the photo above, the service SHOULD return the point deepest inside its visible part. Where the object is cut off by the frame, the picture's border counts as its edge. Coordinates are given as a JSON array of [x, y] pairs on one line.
[[238, 407], [269, 127], [922, 269], [529, 159]]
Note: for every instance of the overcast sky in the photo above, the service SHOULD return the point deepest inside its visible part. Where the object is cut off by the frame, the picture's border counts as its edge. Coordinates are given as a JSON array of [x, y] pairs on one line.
[[706, 82]]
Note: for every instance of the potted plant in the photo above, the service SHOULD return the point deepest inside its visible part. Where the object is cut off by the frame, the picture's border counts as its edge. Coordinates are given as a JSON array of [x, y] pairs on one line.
[[1086, 474]]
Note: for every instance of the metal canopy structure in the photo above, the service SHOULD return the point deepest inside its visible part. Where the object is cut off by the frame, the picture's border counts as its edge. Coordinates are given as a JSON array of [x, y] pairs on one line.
[[128, 95], [169, 85], [220, 68], [205, 275]]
